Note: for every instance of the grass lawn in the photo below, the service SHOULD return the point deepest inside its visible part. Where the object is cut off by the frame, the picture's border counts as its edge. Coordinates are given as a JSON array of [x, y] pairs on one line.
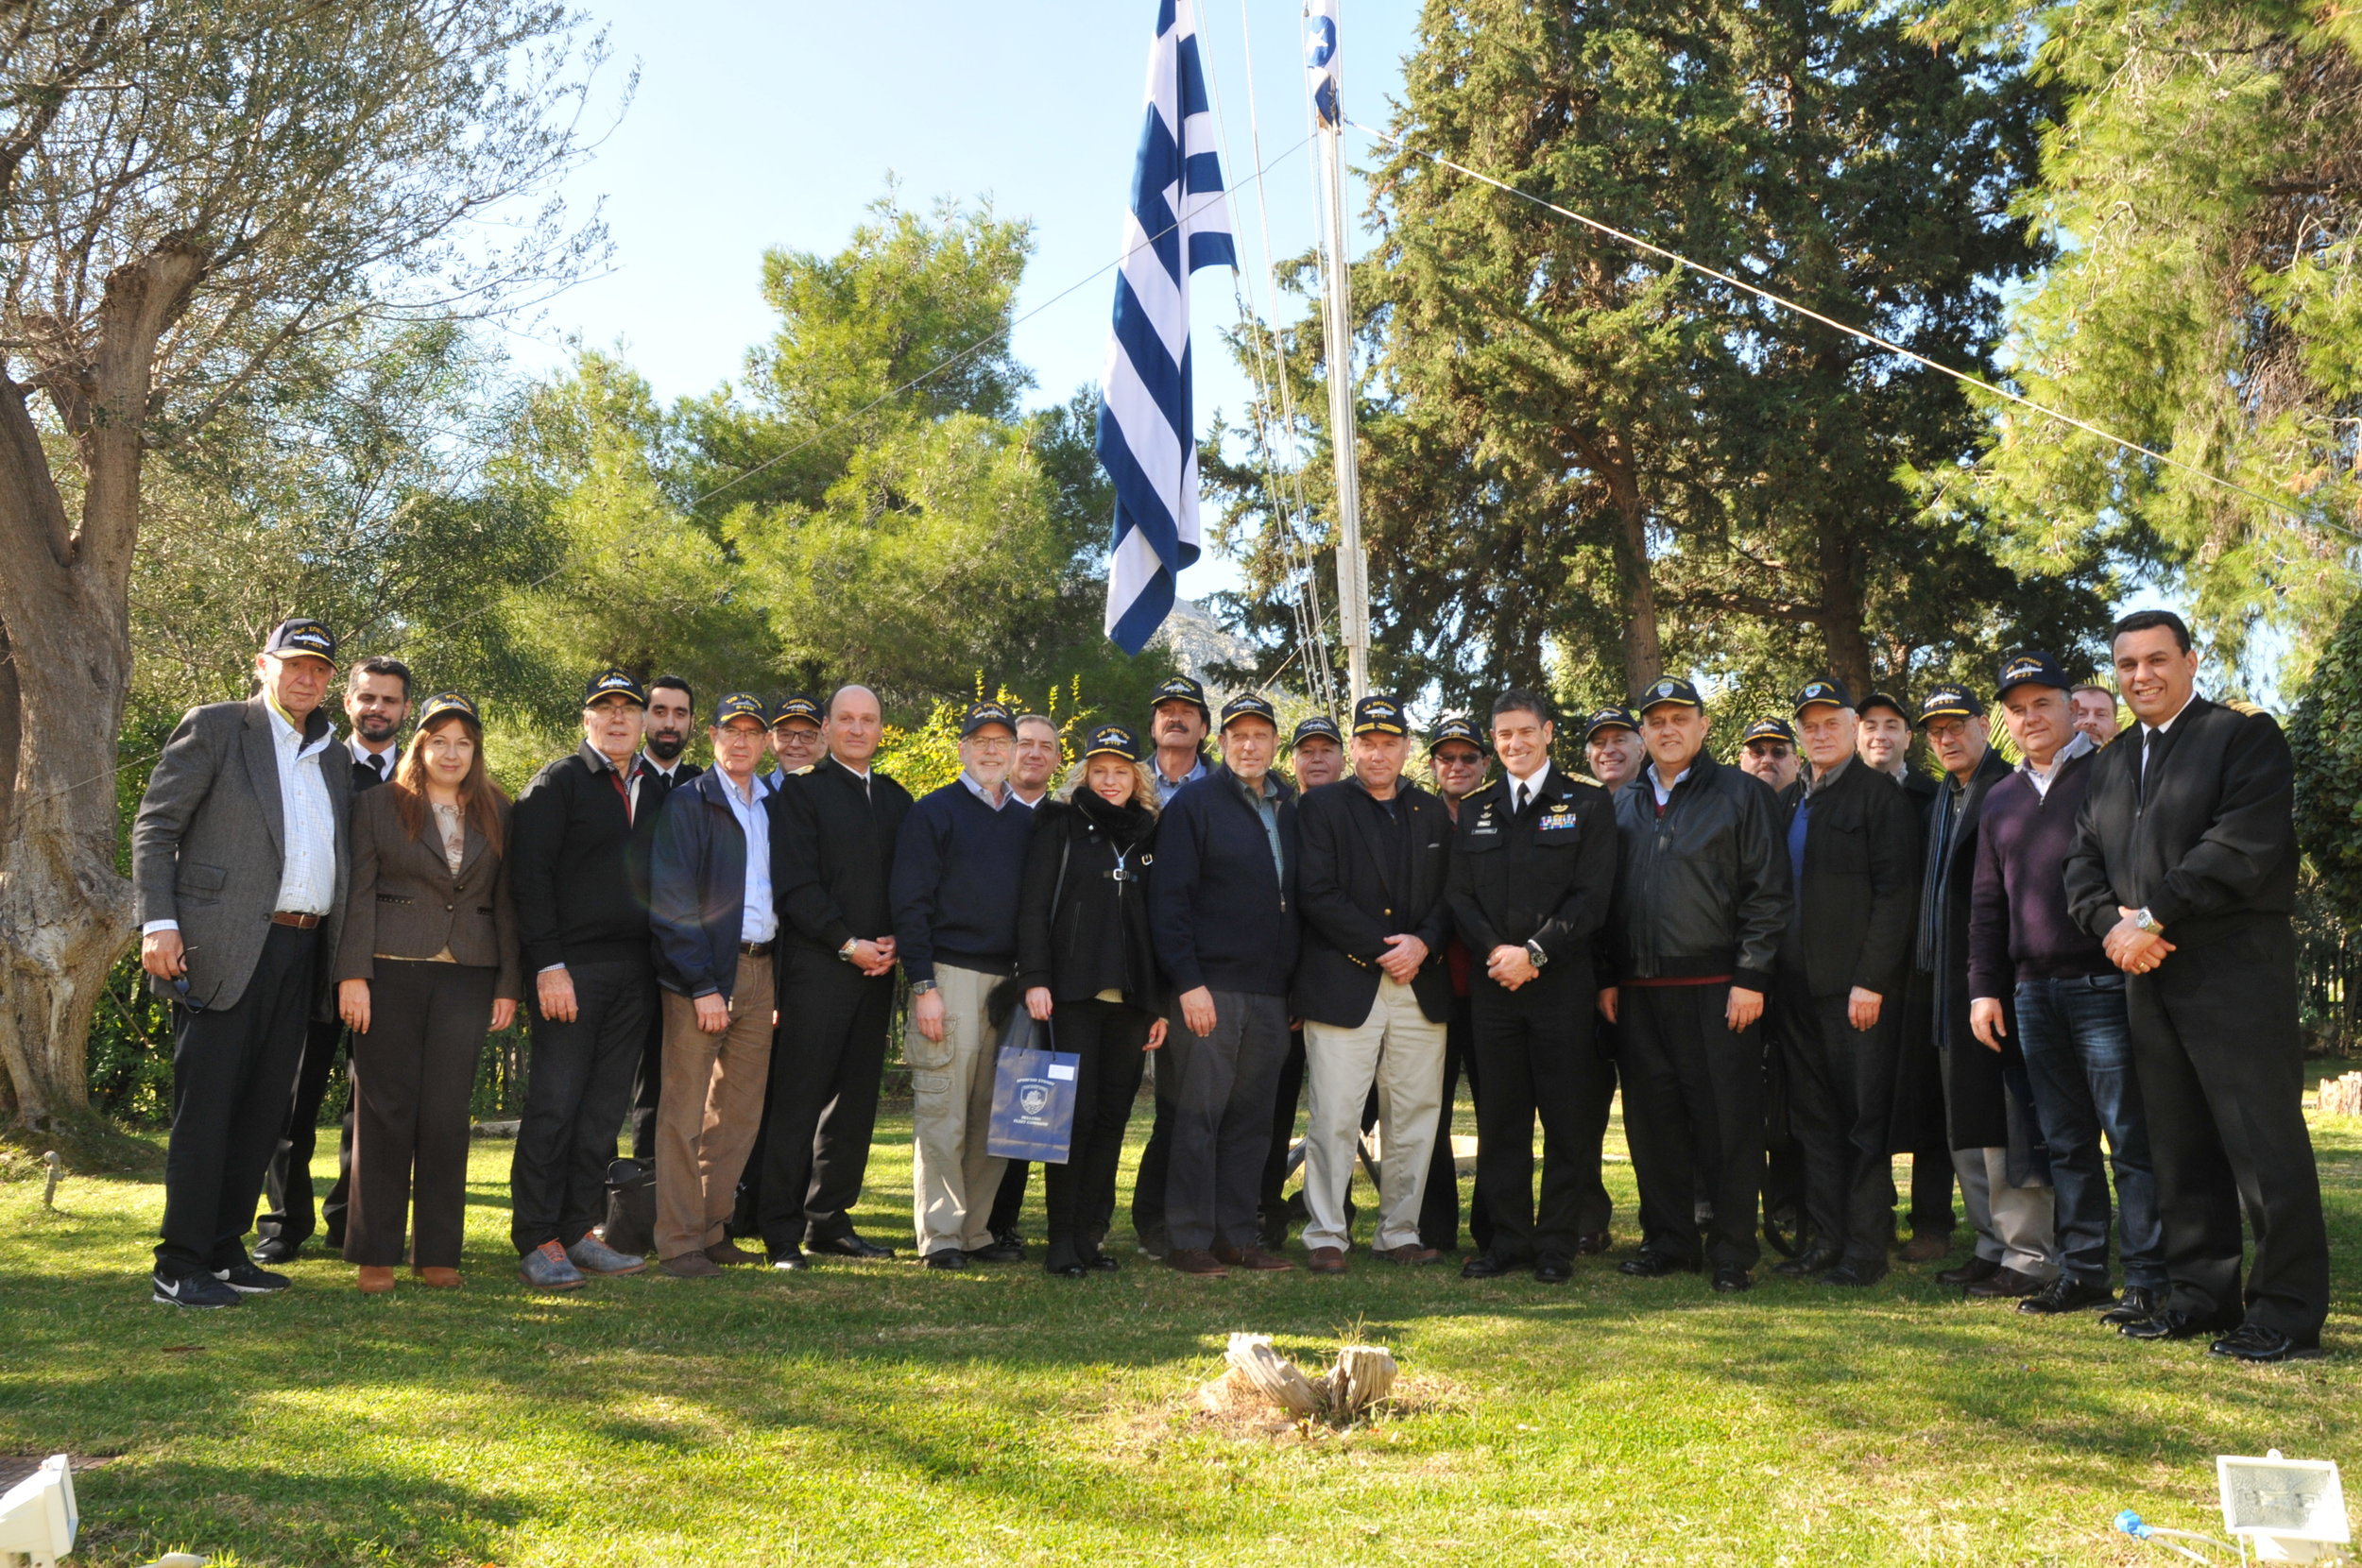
[[880, 1413]]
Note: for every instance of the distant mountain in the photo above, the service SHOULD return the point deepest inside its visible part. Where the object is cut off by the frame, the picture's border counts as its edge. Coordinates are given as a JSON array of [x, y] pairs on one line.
[[1199, 642]]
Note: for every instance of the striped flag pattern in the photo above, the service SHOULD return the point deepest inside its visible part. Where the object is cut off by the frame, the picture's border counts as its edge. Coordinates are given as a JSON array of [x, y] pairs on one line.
[[1179, 221]]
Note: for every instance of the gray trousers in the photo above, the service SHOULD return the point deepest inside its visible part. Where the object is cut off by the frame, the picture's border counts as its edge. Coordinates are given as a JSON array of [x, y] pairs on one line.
[[2014, 1225], [1222, 1093]]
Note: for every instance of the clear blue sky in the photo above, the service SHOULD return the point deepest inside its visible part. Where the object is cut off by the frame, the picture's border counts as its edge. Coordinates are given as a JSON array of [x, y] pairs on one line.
[[760, 125]]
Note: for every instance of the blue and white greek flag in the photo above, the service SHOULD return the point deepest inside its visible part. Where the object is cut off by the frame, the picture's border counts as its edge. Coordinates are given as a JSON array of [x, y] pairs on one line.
[[1179, 222], [1320, 59]]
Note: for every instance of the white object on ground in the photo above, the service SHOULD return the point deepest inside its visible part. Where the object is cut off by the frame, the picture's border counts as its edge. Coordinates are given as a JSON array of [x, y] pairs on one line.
[[2293, 1510], [38, 1518]]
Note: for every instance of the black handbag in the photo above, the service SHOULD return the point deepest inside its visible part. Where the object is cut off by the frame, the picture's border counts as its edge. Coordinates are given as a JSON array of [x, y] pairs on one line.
[[630, 1206]]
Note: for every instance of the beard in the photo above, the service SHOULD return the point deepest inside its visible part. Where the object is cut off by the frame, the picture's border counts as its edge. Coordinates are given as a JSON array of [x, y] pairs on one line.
[[374, 728], [664, 745]]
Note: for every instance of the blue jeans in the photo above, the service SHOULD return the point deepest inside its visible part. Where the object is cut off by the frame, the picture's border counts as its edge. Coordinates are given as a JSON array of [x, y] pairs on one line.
[[2079, 1053]]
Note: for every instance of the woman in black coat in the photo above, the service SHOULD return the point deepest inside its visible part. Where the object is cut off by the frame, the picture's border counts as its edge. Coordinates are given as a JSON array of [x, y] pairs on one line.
[[1090, 971]]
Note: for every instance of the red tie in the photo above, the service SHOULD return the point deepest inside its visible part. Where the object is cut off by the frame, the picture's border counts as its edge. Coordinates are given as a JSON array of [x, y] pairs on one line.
[[621, 789]]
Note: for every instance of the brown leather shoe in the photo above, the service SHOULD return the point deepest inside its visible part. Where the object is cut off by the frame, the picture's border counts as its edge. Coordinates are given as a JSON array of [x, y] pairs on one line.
[[2006, 1283], [1326, 1260], [691, 1265], [727, 1252], [1409, 1251], [1975, 1269], [1594, 1244], [1197, 1261], [1253, 1259], [1926, 1246], [375, 1280], [441, 1279]]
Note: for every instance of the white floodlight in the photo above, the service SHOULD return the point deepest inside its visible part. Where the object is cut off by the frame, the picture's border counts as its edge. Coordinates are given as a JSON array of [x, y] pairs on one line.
[[2293, 1510], [37, 1517]]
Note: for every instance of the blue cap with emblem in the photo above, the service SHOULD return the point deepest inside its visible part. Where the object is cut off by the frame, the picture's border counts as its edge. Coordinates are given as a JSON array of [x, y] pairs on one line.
[[1610, 717], [302, 638], [2031, 670], [1248, 705], [1880, 699], [1378, 716], [1462, 729], [1769, 730], [444, 703], [1320, 726], [1950, 701], [1823, 691], [1667, 688], [1179, 689], [984, 715], [799, 706], [740, 705], [614, 683], [1112, 740]]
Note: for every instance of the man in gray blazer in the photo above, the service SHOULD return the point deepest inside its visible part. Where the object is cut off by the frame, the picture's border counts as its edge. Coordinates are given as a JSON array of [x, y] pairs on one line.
[[239, 862]]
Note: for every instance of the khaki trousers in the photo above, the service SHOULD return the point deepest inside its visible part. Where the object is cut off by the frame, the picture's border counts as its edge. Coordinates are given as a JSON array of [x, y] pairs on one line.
[[710, 1110], [952, 1180], [1401, 1049]]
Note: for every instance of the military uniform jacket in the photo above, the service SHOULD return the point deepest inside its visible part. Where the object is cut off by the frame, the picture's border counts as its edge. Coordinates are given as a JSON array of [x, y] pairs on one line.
[[1346, 895], [831, 853], [1547, 874]]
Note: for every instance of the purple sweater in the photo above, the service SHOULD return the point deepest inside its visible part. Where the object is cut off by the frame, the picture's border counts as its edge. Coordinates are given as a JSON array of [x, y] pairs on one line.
[[2018, 924]]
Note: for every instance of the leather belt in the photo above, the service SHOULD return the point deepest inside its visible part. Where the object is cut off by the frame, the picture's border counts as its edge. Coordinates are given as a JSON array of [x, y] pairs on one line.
[[289, 917], [755, 949]]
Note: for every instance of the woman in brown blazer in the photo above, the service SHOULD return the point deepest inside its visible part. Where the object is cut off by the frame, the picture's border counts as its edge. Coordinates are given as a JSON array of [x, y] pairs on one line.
[[427, 956]]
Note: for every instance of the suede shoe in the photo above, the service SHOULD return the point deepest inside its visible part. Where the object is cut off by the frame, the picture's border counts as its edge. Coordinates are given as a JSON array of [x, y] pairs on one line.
[[2068, 1294], [727, 1254], [1409, 1251], [1730, 1282], [547, 1268], [1854, 1276], [1818, 1260], [1253, 1259], [2171, 1322], [193, 1290], [691, 1265], [1970, 1272], [1651, 1266], [1486, 1266], [1924, 1246], [595, 1257], [2255, 1343], [247, 1279], [848, 1245], [2140, 1302], [1197, 1262], [1326, 1260], [2005, 1283], [376, 1279], [436, 1277], [1551, 1269], [947, 1258]]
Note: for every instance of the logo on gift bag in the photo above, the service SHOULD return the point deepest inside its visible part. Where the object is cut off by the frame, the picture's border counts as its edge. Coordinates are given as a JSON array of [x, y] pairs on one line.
[[1032, 1099]]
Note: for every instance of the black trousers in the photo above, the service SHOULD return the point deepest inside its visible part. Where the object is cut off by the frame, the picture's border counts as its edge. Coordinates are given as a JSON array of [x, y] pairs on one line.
[[287, 1217], [1842, 1089], [1009, 1201], [1693, 1116], [233, 1074], [413, 1076], [827, 1066], [1534, 1056], [1439, 1210], [2216, 1048], [1108, 1037], [1148, 1183], [577, 1084], [1286, 1099], [647, 1087]]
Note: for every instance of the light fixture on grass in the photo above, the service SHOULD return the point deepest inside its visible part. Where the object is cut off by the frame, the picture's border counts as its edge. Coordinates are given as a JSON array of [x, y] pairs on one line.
[[37, 1517], [2291, 1510]]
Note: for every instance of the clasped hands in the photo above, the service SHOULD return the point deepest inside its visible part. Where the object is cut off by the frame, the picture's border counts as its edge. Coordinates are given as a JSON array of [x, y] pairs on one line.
[[2132, 950]]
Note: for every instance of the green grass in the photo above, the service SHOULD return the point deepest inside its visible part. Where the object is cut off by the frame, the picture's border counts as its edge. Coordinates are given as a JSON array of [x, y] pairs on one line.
[[880, 1413]]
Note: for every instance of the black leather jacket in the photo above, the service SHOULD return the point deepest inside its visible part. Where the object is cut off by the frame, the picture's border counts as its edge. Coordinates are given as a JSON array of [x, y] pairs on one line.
[[1704, 889]]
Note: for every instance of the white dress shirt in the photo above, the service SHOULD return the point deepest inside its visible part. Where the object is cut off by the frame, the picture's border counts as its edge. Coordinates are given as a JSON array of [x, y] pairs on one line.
[[383, 763], [307, 878], [1523, 791]]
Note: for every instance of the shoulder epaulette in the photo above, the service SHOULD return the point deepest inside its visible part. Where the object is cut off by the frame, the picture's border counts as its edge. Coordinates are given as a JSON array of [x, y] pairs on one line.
[[799, 772], [1586, 778], [2248, 708]]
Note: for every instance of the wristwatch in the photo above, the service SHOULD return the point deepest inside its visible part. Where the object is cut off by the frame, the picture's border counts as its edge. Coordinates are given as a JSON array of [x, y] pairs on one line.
[[919, 988], [1533, 951], [2147, 921], [846, 952]]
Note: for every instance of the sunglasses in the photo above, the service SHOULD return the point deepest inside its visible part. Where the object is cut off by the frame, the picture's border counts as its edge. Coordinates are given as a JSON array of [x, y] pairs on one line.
[[180, 988]]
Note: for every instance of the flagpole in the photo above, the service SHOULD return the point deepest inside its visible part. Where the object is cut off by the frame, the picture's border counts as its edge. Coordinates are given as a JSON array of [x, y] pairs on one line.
[[1353, 594]]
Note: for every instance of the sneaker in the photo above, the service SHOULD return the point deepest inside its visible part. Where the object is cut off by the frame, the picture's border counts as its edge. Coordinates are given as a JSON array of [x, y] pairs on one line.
[[594, 1256], [247, 1279], [546, 1268], [193, 1291]]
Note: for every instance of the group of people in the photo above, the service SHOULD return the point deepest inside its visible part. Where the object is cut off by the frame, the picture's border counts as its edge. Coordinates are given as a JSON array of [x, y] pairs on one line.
[[2039, 981]]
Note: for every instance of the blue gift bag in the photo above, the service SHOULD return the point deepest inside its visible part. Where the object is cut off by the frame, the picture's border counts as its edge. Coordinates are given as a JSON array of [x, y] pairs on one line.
[[1033, 1096]]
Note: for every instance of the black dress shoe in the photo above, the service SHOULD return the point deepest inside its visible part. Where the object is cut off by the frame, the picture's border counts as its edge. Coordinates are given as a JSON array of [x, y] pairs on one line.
[[947, 1258], [2004, 1283], [790, 1261], [1970, 1272], [2140, 1302], [1554, 1270], [272, 1252], [1651, 1265], [848, 1245], [1729, 1282], [2173, 1323], [999, 1252], [1484, 1265], [1819, 1260], [1100, 1263], [1594, 1244], [1854, 1275], [2254, 1343], [2068, 1294]]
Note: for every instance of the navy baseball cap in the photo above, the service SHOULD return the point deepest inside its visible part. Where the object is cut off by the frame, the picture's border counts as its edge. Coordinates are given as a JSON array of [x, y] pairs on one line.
[[1246, 705], [1769, 730], [1950, 701], [443, 704], [1880, 699], [1113, 740], [740, 705], [1667, 688], [1378, 716], [302, 638], [1460, 729], [806, 709], [1823, 691], [611, 682], [1612, 717], [984, 715], [1320, 726], [1180, 689], [2031, 670]]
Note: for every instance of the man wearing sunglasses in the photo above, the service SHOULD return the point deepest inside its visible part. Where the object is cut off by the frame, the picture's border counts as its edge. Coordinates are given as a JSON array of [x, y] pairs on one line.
[[239, 860]]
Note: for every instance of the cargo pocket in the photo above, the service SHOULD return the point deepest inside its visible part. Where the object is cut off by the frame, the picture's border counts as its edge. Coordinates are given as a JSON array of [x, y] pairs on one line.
[[930, 1085], [921, 1054]]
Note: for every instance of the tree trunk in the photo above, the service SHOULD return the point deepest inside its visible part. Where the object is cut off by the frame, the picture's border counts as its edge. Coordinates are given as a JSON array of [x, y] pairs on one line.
[[1841, 630], [1644, 650]]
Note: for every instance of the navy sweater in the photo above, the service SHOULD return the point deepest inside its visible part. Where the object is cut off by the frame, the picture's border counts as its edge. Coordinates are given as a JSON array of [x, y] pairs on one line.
[[1222, 914], [2018, 923], [958, 866]]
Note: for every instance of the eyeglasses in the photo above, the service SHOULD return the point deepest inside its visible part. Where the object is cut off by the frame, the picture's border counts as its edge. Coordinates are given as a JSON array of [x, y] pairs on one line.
[[181, 989]]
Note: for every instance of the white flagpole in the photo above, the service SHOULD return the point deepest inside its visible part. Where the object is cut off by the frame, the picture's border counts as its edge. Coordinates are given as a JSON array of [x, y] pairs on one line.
[[1353, 594]]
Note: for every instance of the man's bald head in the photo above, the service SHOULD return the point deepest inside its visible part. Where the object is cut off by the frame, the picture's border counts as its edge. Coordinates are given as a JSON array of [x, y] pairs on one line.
[[856, 722]]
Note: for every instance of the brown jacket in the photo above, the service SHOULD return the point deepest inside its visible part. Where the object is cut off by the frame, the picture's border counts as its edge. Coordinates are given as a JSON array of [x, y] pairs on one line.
[[403, 901]]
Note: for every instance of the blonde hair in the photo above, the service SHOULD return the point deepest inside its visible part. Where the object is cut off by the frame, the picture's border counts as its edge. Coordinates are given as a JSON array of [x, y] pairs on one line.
[[1143, 784]]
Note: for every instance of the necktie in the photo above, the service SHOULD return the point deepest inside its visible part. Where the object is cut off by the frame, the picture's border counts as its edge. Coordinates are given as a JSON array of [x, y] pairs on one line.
[[1517, 801], [384, 771], [621, 789], [2148, 738]]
